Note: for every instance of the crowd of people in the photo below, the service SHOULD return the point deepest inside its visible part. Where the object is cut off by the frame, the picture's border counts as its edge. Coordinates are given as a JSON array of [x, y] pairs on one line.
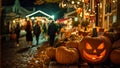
[[49, 31]]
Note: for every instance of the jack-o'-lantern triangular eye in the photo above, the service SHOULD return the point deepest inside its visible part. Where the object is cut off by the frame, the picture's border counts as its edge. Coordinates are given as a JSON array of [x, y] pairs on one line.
[[101, 46], [88, 46]]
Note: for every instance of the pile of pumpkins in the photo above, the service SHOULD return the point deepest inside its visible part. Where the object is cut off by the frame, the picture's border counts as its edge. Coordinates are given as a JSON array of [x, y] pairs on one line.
[[115, 53], [90, 49]]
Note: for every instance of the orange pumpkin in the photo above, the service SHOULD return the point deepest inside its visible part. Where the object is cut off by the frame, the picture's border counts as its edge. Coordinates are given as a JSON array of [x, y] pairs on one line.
[[116, 27], [86, 1], [115, 56], [116, 44], [83, 33], [50, 52], [94, 49], [66, 55], [60, 43], [112, 36], [72, 44], [13, 36], [67, 34]]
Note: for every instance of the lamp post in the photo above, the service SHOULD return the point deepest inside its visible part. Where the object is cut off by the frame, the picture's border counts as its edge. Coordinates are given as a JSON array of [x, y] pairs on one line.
[[103, 13], [83, 12], [97, 15]]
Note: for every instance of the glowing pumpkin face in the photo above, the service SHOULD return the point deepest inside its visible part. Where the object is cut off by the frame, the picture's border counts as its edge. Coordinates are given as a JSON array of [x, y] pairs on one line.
[[94, 49], [94, 53]]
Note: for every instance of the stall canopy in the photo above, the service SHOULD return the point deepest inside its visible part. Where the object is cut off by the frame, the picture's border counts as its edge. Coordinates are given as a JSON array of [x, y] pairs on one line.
[[62, 20], [41, 12]]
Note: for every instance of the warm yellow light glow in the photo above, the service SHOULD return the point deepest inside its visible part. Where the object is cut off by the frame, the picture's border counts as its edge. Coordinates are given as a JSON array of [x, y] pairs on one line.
[[78, 2], [64, 5], [72, 2], [101, 46], [93, 58], [88, 46], [13, 21]]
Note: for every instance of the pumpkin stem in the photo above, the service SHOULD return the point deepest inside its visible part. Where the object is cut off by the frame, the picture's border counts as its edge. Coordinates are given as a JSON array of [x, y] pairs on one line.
[[94, 32], [85, 29]]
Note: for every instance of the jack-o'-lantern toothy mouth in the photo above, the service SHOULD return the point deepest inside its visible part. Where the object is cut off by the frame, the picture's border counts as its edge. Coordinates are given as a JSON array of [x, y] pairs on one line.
[[93, 58]]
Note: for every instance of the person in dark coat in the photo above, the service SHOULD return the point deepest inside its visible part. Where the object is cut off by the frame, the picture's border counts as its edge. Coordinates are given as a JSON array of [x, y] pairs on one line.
[[37, 31], [17, 32], [45, 30], [28, 30], [52, 30]]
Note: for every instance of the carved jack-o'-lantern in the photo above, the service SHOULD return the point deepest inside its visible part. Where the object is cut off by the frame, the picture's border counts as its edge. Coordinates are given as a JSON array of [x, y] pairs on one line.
[[94, 49]]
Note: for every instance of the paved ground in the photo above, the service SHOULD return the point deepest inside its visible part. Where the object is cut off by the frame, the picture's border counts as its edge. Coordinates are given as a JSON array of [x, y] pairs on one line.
[[18, 56]]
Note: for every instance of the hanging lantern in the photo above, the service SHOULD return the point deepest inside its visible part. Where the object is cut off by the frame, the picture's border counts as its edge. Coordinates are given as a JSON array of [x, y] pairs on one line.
[[63, 4], [86, 1], [79, 10], [87, 15]]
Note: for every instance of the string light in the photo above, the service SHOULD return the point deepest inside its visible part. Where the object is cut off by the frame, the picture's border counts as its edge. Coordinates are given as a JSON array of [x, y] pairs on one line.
[[72, 3]]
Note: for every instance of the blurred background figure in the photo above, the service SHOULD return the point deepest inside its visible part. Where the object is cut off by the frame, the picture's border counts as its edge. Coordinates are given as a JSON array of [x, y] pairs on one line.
[[45, 30], [17, 32], [52, 30], [28, 30], [37, 31]]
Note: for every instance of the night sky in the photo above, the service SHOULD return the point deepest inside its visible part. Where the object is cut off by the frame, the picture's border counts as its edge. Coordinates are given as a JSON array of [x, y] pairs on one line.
[[22, 2], [50, 8]]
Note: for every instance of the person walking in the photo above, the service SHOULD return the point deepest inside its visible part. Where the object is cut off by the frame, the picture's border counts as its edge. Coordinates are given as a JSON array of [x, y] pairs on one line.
[[28, 30], [45, 29], [37, 31], [17, 32], [52, 30]]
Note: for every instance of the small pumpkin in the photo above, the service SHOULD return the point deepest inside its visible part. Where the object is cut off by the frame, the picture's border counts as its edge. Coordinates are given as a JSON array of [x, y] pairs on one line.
[[116, 44], [67, 34], [115, 56], [13, 36], [116, 27], [72, 44], [83, 33], [112, 36], [94, 49], [66, 55], [50, 52], [60, 43]]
